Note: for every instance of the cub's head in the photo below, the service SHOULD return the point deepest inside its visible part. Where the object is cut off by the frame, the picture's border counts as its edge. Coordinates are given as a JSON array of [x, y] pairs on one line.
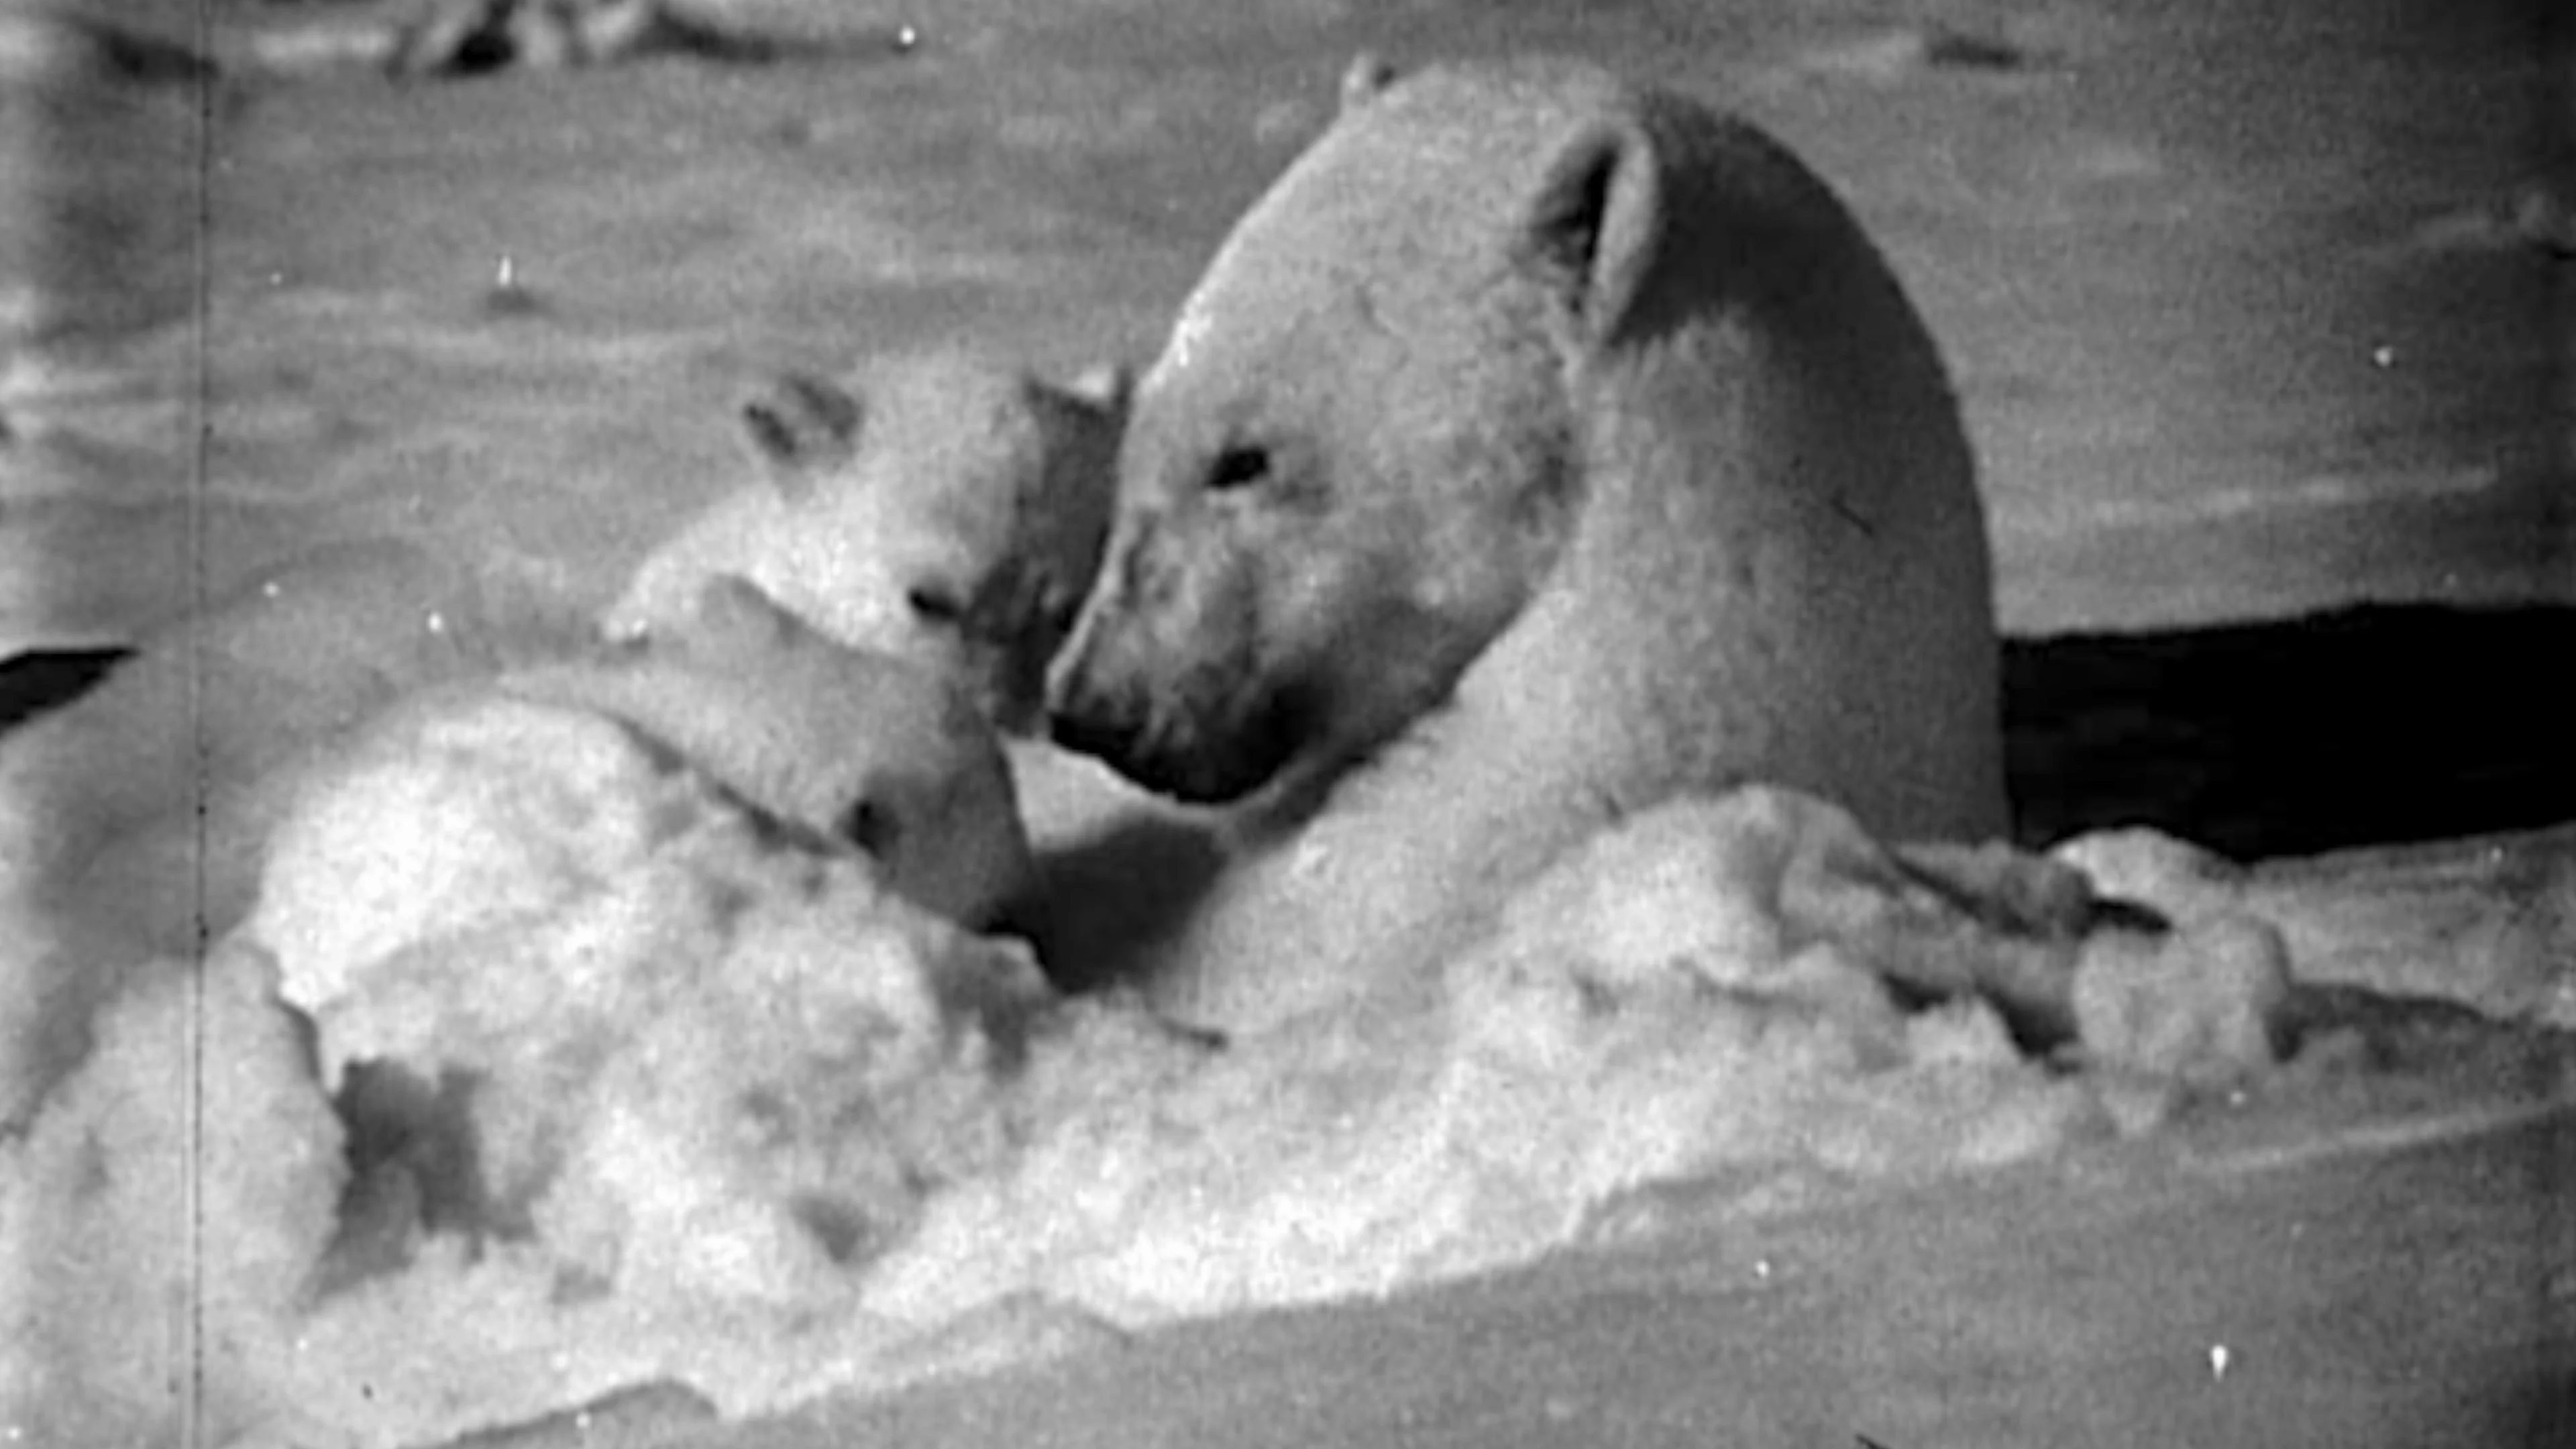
[[945, 510], [1360, 453], [991, 499], [853, 745]]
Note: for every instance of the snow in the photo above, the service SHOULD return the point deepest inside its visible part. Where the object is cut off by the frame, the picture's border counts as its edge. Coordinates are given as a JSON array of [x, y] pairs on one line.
[[535, 1049]]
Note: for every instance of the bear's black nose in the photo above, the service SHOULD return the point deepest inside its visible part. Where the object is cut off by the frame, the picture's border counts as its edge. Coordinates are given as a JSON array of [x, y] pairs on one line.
[[1093, 732]]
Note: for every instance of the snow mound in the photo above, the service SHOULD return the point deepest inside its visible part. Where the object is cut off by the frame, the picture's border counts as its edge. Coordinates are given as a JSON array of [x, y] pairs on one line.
[[545, 1068]]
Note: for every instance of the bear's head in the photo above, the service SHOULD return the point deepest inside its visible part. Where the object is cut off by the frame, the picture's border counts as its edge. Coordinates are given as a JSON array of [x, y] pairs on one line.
[[1361, 451]]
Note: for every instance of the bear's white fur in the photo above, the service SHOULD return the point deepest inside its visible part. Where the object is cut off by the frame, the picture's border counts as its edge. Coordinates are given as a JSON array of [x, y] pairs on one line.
[[1537, 449]]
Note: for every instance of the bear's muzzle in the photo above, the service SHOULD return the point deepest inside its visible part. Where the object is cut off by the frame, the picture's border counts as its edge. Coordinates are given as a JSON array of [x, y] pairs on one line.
[[1093, 705], [1162, 677], [1151, 734]]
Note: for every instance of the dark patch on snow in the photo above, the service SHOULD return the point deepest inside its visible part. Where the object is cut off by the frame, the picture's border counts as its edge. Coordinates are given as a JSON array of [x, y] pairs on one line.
[[2374, 725], [41, 681]]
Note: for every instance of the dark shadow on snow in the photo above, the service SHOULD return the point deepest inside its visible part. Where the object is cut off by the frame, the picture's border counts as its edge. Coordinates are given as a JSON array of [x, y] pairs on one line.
[[2373, 725]]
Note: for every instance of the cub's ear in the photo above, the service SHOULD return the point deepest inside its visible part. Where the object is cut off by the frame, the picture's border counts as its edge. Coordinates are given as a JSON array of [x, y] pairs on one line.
[[800, 428], [1596, 228], [1104, 387], [1366, 77]]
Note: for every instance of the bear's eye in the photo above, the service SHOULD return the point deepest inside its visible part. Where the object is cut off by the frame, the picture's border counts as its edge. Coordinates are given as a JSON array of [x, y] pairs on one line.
[[1238, 467], [935, 604]]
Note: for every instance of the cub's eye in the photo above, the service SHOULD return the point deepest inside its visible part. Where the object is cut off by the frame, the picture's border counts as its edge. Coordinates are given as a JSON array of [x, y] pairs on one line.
[[935, 604], [871, 827], [1238, 467]]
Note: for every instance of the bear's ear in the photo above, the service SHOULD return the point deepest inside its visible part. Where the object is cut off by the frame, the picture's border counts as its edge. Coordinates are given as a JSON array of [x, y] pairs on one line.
[[1595, 226], [800, 428], [1367, 76]]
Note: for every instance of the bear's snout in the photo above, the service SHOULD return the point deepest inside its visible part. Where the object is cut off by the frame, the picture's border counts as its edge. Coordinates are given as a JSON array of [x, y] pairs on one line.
[[1099, 697], [1102, 736], [1163, 678], [1117, 723], [1147, 715], [1086, 711]]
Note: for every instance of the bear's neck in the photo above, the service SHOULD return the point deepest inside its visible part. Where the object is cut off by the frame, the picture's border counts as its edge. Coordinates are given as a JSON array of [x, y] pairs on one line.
[[1594, 702], [1401, 860]]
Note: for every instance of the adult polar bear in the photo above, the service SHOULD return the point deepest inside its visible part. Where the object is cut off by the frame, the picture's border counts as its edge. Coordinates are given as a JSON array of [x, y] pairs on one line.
[[1537, 449]]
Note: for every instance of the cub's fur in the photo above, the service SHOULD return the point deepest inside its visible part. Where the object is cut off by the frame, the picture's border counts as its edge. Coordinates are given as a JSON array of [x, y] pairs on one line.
[[152, 778], [165, 784], [847, 745], [132, 820], [1537, 449], [943, 509]]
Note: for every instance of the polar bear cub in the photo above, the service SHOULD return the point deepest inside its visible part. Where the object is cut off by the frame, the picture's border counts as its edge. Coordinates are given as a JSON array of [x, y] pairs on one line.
[[944, 509], [844, 747], [442, 814]]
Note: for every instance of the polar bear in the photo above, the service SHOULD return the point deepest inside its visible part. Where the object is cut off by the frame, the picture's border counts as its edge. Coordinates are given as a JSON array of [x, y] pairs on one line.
[[942, 508], [1538, 448]]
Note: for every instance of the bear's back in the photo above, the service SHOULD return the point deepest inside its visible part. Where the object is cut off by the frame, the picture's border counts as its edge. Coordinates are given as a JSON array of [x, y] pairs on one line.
[[1772, 436]]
